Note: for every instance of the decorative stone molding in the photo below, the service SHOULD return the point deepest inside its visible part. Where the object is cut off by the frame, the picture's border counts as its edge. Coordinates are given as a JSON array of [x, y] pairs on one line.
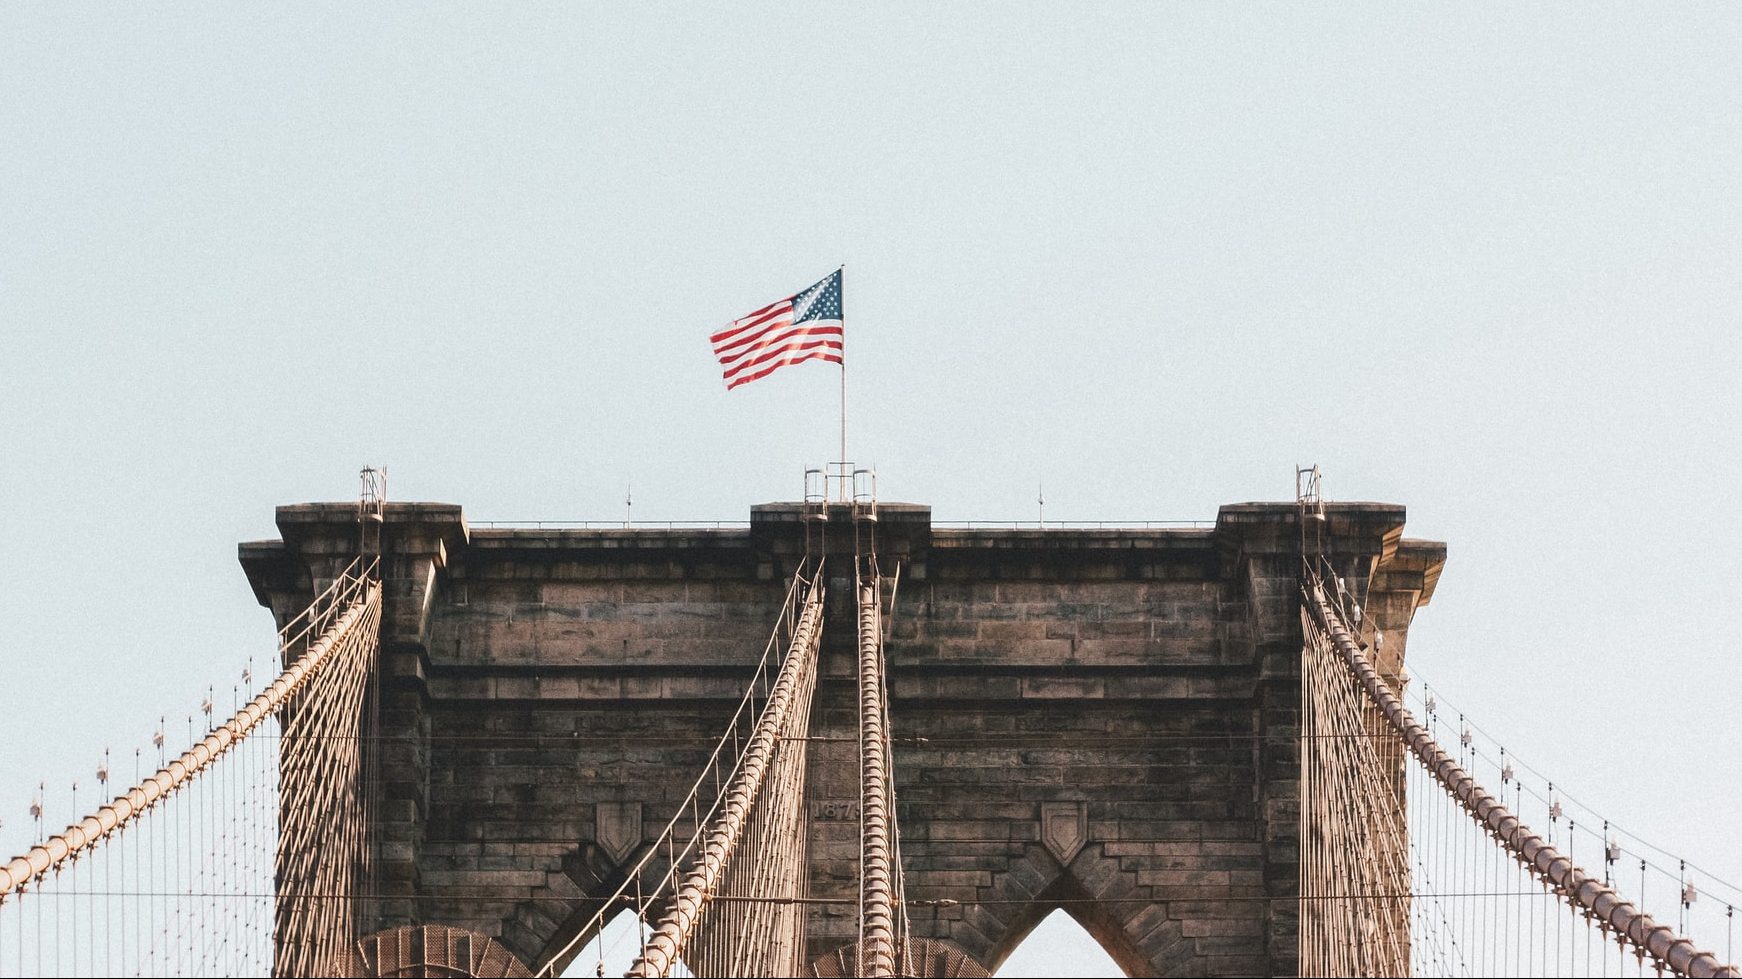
[[618, 829], [1064, 828]]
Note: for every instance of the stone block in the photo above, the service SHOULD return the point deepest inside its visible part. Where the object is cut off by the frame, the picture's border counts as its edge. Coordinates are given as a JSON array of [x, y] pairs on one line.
[[1073, 688]]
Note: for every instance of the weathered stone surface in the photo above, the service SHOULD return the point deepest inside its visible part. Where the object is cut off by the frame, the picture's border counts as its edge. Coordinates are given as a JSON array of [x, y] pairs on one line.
[[1099, 720]]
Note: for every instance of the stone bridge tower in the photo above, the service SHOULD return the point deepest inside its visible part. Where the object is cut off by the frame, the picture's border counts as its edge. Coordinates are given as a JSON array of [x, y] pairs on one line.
[[1099, 720]]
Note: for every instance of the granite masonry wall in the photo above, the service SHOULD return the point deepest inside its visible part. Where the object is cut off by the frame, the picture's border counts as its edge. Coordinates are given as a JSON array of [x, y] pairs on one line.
[[1099, 720]]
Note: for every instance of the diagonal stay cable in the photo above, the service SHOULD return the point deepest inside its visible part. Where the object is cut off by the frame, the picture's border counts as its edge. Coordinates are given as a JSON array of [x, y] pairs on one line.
[[1668, 949]]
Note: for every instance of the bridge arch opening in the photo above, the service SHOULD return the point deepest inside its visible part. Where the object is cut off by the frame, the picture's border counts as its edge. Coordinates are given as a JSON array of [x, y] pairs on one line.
[[1092, 896], [1058, 946], [613, 949]]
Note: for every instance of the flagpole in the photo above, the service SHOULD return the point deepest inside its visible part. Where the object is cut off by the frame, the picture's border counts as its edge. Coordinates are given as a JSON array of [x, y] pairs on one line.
[[843, 424], [844, 474]]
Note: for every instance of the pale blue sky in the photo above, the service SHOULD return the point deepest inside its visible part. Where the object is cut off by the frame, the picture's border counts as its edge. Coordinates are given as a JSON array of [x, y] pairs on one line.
[[1482, 264]]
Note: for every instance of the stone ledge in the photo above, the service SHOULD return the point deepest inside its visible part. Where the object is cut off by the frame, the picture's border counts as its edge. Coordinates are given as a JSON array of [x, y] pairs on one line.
[[609, 539]]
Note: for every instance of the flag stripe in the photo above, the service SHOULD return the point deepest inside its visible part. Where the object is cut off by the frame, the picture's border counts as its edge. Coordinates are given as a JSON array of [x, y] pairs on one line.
[[753, 320], [774, 353], [732, 347], [767, 307], [776, 337], [829, 356]]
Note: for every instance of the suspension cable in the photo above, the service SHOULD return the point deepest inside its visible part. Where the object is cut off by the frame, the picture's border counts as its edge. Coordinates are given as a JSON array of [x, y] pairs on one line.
[[1659, 941], [341, 596]]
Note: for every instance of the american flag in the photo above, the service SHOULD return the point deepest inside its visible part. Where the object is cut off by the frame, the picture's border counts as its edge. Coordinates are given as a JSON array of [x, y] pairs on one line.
[[803, 327]]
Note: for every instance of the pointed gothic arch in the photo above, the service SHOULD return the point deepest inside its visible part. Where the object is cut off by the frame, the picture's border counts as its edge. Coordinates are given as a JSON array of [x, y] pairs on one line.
[[1059, 946], [611, 949], [559, 911], [1103, 895]]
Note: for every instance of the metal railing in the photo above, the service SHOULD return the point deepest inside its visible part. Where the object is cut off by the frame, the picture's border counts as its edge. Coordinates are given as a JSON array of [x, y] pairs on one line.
[[1074, 524], [939, 524], [609, 524]]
